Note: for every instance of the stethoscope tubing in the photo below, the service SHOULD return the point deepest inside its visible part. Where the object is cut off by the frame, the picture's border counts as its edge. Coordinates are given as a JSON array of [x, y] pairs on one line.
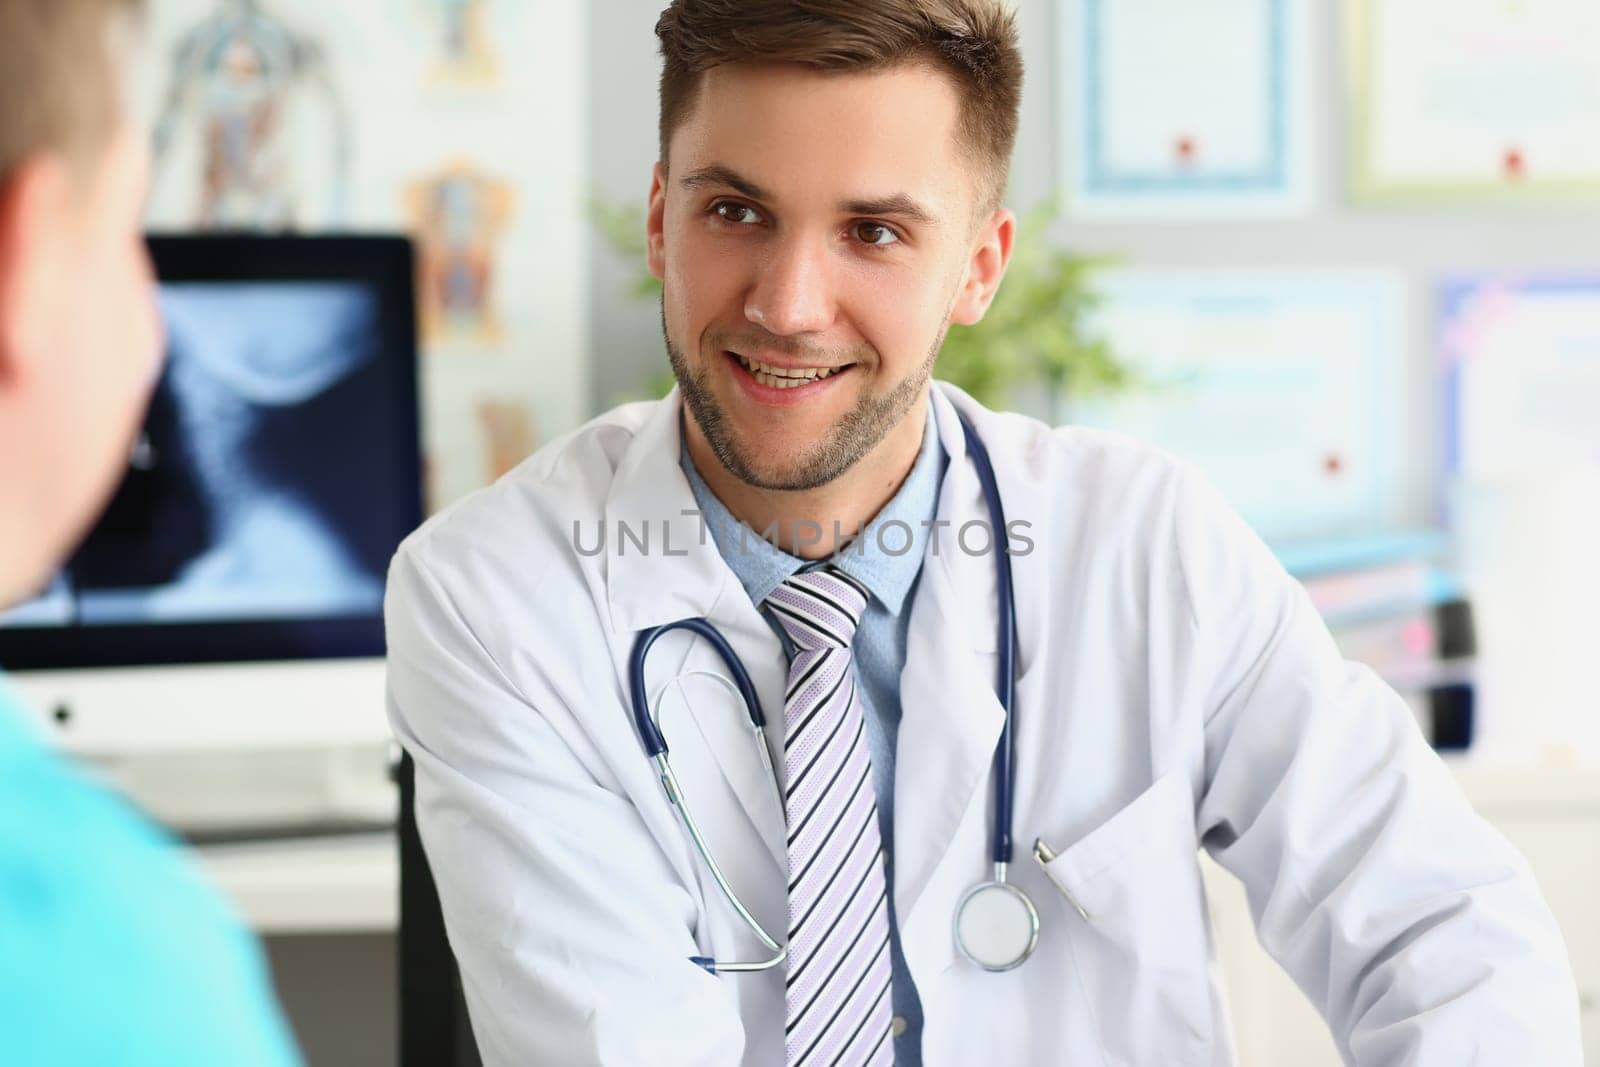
[[1005, 683], [655, 743]]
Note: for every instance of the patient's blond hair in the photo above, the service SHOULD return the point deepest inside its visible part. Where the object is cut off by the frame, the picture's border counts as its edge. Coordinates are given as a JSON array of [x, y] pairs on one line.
[[60, 77]]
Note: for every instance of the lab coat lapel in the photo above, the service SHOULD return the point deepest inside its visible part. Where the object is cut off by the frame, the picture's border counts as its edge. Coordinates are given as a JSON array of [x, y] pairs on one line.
[[950, 717], [682, 575], [679, 573], [720, 719]]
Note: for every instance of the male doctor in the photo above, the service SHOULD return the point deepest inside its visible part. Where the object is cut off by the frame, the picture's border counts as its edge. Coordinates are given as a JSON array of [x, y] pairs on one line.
[[827, 202]]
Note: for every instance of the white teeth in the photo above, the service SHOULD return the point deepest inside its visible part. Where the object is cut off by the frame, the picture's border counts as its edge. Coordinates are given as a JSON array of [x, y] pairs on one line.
[[776, 382], [785, 377]]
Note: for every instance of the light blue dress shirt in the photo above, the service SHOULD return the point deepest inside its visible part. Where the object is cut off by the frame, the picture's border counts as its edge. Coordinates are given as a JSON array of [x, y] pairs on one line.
[[113, 949], [887, 559]]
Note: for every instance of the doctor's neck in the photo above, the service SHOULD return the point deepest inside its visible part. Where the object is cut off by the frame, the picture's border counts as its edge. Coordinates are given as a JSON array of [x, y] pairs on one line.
[[851, 500]]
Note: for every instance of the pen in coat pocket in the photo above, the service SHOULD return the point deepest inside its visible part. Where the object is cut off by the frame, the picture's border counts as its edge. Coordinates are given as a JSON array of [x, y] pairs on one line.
[[1043, 853]]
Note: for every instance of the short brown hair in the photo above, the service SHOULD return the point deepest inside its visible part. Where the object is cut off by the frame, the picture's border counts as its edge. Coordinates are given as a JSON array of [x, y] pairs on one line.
[[58, 79], [972, 41]]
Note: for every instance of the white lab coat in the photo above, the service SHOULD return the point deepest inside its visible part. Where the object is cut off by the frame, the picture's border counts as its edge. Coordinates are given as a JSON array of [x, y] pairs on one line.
[[1176, 690]]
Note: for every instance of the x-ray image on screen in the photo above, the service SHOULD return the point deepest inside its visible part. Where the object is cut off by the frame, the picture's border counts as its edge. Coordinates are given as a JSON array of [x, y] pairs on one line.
[[257, 488]]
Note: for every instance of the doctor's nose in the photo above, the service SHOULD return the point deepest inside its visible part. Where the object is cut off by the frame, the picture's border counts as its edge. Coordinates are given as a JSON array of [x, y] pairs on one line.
[[793, 292]]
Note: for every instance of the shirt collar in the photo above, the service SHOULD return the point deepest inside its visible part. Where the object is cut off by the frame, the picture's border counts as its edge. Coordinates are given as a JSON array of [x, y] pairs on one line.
[[886, 558]]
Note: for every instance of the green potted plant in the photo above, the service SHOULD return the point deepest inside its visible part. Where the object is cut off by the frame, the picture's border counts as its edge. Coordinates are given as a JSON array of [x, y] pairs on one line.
[[1037, 333], [621, 227]]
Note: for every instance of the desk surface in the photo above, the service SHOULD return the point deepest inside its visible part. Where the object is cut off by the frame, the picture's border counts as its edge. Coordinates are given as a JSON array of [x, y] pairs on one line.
[[351, 883], [347, 884]]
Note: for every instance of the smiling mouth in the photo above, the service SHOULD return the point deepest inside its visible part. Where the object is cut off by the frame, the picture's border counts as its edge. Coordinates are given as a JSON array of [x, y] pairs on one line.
[[785, 377]]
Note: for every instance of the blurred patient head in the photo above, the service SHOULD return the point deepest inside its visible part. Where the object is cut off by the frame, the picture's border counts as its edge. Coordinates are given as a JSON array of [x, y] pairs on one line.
[[79, 336]]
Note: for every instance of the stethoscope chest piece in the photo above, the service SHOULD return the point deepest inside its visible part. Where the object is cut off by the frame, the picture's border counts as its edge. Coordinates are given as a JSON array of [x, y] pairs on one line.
[[996, 926]]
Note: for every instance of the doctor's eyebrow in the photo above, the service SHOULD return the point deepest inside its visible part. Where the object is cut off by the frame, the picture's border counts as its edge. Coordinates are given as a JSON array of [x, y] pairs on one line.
[[717, 174], [900, 204]]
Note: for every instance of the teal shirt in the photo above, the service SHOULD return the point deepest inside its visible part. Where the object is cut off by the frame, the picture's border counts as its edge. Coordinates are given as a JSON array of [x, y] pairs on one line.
[[113, 949]]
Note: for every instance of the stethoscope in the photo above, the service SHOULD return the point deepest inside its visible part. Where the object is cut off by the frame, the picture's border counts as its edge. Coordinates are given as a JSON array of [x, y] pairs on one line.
[[996, 926]]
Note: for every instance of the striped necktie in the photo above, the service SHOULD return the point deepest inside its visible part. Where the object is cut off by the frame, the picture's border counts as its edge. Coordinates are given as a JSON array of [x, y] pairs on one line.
[[837, 1000]]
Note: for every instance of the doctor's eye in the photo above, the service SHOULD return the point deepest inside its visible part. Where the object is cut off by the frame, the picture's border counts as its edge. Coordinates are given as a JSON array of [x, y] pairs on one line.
[[875, 234], [735, 212]]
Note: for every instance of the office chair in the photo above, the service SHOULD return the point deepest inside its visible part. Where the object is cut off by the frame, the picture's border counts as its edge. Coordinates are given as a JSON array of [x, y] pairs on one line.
[[434, 1028]]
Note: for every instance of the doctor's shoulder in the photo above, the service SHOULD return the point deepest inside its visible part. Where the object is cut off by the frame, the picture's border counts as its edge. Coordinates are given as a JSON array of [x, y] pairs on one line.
[[1116, 504], [1115, 488], [500, 568], [1184, 535]]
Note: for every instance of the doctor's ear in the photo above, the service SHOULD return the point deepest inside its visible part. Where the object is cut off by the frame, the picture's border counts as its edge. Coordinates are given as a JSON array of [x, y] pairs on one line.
[[991, 251], [654, 223]]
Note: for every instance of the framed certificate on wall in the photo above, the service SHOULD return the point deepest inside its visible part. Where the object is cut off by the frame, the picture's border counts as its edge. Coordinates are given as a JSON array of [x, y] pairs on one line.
[[1474, 99], [1521, 364], [1520, 360], [1285, 387], [1176, 109]]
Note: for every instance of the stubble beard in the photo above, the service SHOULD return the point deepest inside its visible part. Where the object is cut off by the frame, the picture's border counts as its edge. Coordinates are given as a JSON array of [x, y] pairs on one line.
[[858, 431]]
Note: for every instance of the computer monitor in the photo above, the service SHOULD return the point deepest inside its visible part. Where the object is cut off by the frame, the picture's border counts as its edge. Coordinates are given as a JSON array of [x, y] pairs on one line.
[[276, 472]]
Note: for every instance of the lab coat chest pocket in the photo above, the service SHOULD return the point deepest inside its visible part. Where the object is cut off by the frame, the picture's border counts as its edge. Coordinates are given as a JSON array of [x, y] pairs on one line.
[[1142, 952]]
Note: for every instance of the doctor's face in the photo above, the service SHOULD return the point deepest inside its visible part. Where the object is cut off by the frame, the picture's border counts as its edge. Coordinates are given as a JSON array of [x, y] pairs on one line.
[[816, 234]]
